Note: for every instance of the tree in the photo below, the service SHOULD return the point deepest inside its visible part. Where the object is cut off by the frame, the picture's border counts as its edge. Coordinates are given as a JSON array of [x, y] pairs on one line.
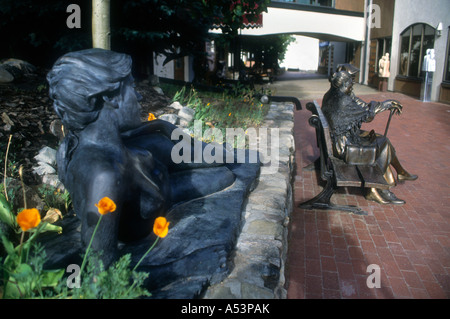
[[176, 28], [36, 30], [101, 31]]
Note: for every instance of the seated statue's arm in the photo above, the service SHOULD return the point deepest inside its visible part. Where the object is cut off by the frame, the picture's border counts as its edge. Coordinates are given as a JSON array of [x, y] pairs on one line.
[[391, 105]]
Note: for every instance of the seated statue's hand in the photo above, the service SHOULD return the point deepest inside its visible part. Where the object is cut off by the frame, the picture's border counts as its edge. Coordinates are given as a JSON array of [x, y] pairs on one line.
[[396, 107], [392, 105]]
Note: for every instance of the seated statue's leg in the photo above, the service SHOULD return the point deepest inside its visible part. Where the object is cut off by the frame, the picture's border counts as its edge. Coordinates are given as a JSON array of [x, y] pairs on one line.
[[383, 196], [373, 195], [402, 174], [389, 176], [390, 196]]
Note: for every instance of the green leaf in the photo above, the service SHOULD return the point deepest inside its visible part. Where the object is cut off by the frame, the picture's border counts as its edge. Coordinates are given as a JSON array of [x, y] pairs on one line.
[[18, 282], [50, 227], [6, 214], [51, 278], [23, 272], [9, 247]]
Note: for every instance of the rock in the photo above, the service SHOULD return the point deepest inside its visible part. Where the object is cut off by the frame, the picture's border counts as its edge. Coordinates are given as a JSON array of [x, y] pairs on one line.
[[7, 120], [176, 105], [44, 169], [57, 129], [158, 90], [53, 180], [46, 155], [186, 115], [25, 67], [264, 99], [5, 76], [154, 80], [171, 118]]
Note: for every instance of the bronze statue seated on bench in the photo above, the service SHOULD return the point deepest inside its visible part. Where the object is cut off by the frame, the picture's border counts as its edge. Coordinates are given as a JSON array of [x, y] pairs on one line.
[[345, 114]]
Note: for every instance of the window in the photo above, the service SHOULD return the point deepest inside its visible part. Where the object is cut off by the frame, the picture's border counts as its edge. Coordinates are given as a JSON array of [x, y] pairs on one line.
[[384, 46], [447, 62], [415, 41]]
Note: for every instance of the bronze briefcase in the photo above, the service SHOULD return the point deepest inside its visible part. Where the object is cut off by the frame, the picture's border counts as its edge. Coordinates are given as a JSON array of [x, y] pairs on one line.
[[360, 155]]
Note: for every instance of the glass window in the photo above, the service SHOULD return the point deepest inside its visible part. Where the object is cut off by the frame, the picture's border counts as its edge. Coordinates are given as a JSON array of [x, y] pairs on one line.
[[415, 56], [415, 41], [384, 46], [447, 68], [404, 53]]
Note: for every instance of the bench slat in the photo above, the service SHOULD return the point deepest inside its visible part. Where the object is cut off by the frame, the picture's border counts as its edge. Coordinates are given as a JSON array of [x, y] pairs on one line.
[[373, 177], [346, 175]]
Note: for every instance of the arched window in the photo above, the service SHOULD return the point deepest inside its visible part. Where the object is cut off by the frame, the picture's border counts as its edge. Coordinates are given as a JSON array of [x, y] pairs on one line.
[[415, 41]]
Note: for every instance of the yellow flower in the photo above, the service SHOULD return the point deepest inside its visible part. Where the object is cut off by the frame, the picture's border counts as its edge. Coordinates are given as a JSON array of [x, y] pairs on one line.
[[105, 206], [151, 117], [28, 218], [229, 114], [161, 227]]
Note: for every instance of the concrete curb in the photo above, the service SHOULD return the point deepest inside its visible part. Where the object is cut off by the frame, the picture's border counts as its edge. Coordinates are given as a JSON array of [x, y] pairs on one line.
[[261, 249]]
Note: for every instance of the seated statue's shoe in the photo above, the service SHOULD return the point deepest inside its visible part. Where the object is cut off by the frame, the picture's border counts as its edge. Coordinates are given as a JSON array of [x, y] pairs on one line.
[[406, 177], [375, 196], [390, 197]]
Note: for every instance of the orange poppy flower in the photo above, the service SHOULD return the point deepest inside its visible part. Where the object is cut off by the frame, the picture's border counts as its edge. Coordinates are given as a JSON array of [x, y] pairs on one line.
[[161, 227], [151, 117], [28, 218], [105, 206]]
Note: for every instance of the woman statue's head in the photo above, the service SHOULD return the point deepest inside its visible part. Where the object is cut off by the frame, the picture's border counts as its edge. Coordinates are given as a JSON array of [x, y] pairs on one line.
[[81, 81]]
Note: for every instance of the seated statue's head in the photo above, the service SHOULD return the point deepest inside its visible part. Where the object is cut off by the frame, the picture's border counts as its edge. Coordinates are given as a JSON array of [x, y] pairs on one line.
[[342, 81], [83, 82]]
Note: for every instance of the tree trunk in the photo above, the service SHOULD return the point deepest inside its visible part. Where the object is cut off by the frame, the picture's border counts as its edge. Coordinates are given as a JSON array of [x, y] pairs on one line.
[[101, 33]]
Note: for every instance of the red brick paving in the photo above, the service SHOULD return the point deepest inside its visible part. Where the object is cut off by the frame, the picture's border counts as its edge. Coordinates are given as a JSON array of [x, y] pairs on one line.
[[329, 251]]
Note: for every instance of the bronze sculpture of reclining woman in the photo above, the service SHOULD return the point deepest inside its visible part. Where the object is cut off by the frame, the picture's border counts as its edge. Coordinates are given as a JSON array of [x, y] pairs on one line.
[[109, 152]]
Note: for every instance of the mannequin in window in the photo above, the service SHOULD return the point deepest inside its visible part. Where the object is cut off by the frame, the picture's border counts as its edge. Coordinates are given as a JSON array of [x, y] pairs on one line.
[[429, 63], [383, 66]]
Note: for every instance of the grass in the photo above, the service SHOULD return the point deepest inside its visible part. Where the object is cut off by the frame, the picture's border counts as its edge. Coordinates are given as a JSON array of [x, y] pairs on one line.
[[234, 108]]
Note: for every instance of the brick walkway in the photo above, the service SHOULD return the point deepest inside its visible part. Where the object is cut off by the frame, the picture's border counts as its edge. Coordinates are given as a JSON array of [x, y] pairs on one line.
[[329, 251]]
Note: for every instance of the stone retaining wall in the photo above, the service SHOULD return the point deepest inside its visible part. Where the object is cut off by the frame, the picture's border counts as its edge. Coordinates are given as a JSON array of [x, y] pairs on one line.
[[261, 249]]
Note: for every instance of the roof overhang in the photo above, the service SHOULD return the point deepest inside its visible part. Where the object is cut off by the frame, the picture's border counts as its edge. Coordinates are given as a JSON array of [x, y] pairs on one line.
[[326, 26]]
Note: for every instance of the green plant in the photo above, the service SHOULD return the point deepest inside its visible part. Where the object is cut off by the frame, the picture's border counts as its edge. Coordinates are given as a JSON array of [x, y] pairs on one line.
[[23, 275], [116, 282], [55, 198]]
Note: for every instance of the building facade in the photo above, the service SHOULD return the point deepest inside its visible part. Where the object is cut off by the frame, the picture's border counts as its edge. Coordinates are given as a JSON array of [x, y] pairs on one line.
[[361, 32], [408, 30]]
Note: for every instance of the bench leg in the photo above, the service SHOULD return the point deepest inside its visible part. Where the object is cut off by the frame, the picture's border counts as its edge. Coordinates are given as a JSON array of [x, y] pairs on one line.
[[323, 201]]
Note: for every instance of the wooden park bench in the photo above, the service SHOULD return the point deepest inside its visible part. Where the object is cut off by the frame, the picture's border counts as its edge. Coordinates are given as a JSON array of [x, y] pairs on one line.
[[335, 171]]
